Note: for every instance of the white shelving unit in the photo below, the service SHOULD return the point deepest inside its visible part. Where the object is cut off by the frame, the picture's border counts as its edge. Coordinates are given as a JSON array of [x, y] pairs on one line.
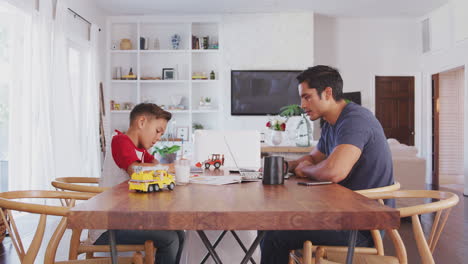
[[151, 62]]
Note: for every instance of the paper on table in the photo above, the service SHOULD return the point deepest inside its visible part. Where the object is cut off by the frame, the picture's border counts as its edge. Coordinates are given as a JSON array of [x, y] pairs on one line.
[[215, 180]]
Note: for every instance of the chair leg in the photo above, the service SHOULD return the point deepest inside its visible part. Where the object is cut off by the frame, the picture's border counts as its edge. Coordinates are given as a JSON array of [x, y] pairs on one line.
[[137, 258], [291, 259], [149, 252], [307, 252]]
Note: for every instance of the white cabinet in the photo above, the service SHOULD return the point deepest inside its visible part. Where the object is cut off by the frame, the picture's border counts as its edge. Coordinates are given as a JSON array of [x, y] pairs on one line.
[[164, 73]]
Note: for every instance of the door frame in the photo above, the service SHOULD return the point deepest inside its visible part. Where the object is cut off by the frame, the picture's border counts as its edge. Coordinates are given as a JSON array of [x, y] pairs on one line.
[[418, 110], [435, 127], [427, 94]]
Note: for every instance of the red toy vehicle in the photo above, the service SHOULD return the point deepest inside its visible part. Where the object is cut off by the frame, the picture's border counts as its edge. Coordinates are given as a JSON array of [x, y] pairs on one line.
[[217, 160]]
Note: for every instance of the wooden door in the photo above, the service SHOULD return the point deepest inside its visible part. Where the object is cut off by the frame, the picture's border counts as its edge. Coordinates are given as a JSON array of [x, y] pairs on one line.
[[435, 129], [394, 107]]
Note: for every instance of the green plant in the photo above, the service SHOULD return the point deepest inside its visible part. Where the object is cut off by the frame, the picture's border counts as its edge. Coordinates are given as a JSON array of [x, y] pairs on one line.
[[291, 110], [207, 99], [196, 126], [163, 151]]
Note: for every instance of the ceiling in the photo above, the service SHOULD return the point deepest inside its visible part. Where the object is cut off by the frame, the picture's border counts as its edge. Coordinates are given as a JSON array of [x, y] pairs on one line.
[[365, 8]]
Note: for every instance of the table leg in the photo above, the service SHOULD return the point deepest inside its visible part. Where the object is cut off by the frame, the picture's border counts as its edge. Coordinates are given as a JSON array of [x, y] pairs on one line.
[[214, 246], [248, 255], [113, 246], [208, 246], [239, 241], [351, 246]]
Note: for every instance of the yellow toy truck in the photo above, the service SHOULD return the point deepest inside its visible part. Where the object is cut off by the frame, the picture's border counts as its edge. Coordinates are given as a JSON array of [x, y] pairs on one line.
[[151, 179]]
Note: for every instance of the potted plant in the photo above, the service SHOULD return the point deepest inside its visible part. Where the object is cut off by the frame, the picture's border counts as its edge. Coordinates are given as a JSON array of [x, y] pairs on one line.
[[303, 132], [197, 126], [166, 154]]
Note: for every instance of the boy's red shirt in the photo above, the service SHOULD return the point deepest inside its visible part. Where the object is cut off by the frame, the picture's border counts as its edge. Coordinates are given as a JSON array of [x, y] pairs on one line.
[[125, 152]]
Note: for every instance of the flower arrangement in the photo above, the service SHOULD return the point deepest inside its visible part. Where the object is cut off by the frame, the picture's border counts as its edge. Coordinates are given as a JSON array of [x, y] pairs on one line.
[[276, 124]]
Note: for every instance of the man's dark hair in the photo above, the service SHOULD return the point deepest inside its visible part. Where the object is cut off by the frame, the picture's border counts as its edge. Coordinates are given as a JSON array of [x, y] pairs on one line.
[[320, 77], [150, 110]]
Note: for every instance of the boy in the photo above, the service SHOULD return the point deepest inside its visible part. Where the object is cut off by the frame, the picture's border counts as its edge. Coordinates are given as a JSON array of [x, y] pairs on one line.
[[147, 124]]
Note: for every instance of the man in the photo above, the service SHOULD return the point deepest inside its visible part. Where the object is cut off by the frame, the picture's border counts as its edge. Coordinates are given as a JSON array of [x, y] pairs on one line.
[[352, 151]]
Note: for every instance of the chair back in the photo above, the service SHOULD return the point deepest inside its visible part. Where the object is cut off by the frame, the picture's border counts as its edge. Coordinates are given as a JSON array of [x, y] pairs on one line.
[[444, 202], [376, 236], [6, 202], [77, 184]]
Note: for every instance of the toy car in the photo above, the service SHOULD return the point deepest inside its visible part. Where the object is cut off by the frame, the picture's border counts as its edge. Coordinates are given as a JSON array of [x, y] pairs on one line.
[[151, 181], [217, 160]]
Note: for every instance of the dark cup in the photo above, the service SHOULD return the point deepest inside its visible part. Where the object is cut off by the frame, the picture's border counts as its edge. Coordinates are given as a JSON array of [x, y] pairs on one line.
[[274, 170]]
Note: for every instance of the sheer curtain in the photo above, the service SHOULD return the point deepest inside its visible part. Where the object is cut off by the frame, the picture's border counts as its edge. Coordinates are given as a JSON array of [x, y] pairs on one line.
[[54, 126], [76, 114], [32, 157]]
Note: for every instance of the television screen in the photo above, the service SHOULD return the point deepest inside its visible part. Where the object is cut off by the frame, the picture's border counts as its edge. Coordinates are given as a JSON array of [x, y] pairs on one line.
[[263, 92]]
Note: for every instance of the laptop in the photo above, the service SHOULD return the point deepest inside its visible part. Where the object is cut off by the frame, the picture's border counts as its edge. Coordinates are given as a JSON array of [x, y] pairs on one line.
[[246, 174]]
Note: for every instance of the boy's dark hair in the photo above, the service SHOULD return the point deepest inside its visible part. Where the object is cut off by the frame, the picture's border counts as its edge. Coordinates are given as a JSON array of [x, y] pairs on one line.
[[151, 110], [320, 77]]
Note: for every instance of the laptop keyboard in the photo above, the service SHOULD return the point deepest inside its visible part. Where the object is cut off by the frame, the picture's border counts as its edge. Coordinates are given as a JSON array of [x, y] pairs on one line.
[[251, 175]]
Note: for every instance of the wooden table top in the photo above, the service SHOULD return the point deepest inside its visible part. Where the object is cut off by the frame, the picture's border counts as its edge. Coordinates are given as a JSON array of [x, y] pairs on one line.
[[289, 149], [245, 206]]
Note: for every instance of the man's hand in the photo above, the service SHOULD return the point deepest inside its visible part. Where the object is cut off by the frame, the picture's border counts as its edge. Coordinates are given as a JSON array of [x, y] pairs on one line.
[[298, 170]]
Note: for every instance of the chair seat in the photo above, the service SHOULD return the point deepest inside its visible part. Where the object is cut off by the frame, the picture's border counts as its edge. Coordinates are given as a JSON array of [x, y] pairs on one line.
[[339, 257]]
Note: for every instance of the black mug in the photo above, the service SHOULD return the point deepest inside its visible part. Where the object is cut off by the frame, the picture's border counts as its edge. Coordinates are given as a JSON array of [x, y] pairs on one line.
[[274, 170]]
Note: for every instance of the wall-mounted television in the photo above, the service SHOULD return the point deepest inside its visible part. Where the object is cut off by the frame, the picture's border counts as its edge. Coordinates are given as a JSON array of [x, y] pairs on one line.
[[263, 92]]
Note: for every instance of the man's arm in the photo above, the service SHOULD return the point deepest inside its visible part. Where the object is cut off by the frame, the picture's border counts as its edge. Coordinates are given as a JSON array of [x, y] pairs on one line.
[[314, 157], [335, 168]]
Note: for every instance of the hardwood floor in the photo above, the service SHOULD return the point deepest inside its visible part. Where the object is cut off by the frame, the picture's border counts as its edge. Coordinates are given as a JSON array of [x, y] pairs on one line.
[[450, 249]]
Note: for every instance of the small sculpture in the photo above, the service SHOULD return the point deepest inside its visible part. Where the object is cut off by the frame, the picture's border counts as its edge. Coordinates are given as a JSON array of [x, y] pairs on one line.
[[175, 41]]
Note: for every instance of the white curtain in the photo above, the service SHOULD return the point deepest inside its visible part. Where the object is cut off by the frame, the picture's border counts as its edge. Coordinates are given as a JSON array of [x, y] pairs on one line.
[[54, 126], [76, 101], [32, 158]]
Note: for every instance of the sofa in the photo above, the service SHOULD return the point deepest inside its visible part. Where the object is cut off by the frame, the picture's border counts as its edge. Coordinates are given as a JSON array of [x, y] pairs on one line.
[[408, 169]]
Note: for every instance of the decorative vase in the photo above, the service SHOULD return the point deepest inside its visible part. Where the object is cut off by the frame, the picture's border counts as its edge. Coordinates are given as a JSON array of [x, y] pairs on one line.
[[175, 41], [125, 44], [276, 137], [303, 132]]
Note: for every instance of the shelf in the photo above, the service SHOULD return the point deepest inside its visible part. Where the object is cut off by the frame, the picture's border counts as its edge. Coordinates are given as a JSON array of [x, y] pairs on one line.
[[205, 81], [178, 111], [124, 51], [121, 111], [124, 81], [163, 81], [205, 111], [206, 51], [164, 51]]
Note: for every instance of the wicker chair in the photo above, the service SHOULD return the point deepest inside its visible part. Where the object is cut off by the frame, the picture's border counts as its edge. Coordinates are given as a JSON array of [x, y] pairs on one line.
[[28, 256]]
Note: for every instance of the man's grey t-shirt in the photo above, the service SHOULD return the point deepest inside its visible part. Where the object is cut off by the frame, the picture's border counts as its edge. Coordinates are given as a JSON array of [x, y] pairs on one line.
[[358, 126]]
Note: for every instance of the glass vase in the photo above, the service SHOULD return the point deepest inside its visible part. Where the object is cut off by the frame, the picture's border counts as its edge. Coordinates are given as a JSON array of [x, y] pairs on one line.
[[303, 132]]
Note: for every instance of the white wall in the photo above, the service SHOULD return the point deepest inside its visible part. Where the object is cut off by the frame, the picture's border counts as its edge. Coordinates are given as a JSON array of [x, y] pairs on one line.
[[264, 42], [449, 26], [362, 48]]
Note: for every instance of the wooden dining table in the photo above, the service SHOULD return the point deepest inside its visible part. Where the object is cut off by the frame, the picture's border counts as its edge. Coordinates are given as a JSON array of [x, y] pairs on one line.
[[240, 206]]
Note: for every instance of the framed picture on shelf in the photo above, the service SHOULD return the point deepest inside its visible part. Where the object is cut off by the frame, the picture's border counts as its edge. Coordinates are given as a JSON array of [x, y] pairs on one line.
[[168, 74], [182, 133]]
